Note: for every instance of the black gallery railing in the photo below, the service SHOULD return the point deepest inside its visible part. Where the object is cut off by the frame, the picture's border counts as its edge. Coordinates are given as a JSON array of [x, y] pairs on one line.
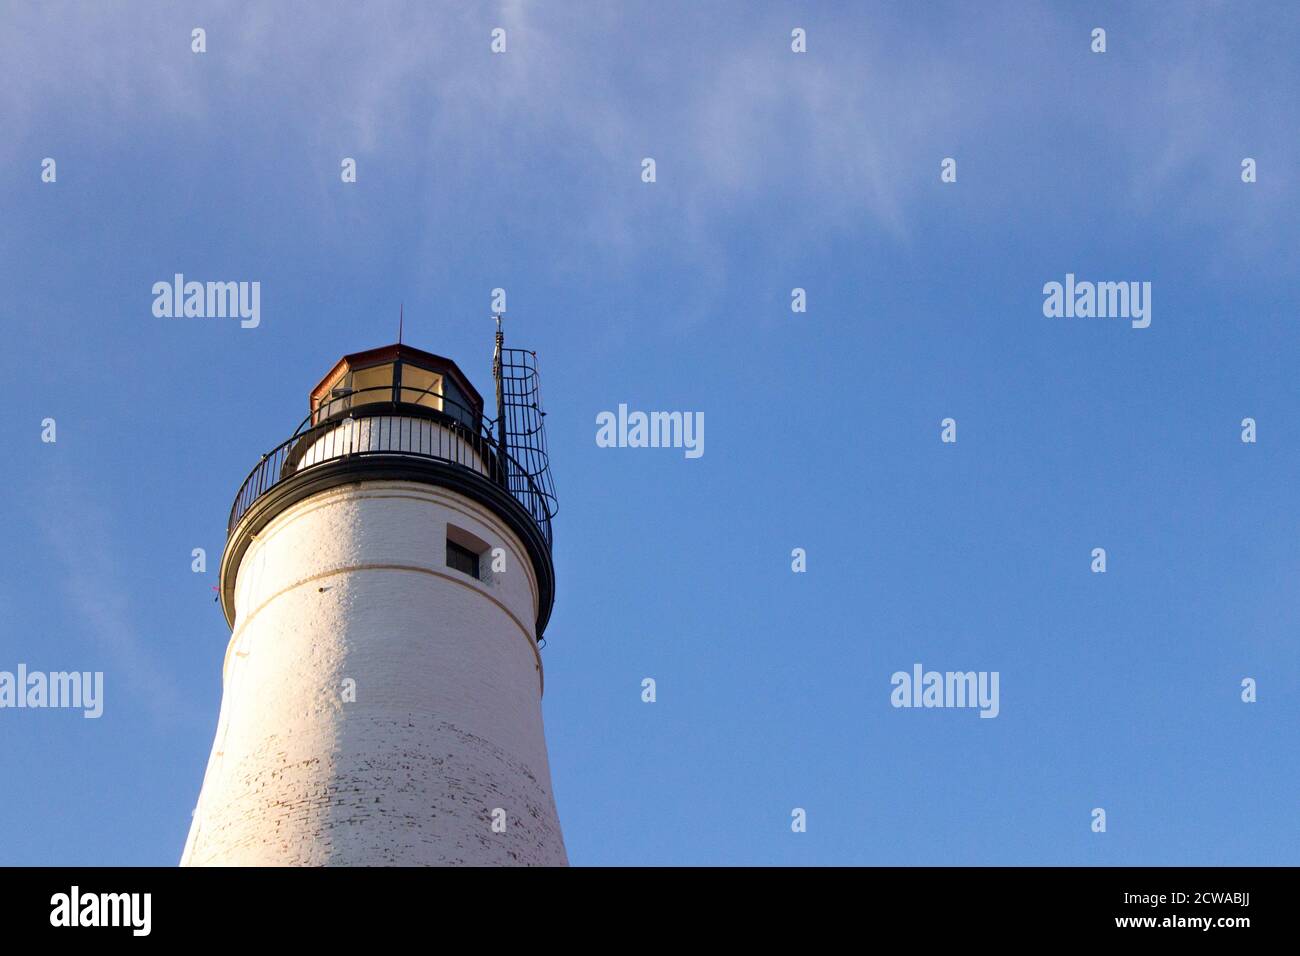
[[402, 430]]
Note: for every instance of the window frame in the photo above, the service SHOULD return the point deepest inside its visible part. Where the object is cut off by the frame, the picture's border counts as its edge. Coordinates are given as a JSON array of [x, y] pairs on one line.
[[460, 551]]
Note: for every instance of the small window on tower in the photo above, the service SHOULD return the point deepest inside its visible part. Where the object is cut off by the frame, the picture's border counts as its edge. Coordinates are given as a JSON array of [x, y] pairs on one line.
[[462, 559]]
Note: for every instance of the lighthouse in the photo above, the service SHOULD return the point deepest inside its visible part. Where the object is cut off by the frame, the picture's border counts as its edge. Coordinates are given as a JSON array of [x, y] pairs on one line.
[[387, 578]]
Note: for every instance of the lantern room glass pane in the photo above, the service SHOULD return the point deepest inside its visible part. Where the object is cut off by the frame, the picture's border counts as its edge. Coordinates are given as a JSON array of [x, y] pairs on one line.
[[421, 387], [374, 384], [331, 404]]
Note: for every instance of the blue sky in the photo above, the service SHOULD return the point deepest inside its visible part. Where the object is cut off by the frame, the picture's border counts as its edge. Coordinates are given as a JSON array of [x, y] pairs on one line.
[[775, 170]]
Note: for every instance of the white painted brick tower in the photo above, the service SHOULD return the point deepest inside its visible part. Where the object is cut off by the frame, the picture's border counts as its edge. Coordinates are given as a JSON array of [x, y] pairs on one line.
[[387, 577]]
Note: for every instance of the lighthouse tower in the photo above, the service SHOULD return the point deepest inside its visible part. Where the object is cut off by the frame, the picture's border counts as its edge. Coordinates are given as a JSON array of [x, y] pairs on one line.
[[387, 576]]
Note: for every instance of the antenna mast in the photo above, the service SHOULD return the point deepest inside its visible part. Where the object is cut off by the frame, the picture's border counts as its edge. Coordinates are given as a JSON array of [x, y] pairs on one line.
[[498, 373]]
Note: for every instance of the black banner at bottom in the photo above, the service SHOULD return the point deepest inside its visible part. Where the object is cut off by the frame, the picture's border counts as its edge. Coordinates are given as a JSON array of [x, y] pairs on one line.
[[337, 905]]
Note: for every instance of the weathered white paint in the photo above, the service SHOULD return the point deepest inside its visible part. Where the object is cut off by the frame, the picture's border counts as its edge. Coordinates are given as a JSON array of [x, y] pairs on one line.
[[352, 583]]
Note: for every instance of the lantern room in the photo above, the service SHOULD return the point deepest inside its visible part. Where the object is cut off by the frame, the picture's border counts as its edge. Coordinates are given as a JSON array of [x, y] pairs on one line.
[[421, 382]]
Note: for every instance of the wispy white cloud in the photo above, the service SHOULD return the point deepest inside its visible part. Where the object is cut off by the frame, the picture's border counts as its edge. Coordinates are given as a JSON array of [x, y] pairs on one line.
[[81, 540], [845, 137]]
